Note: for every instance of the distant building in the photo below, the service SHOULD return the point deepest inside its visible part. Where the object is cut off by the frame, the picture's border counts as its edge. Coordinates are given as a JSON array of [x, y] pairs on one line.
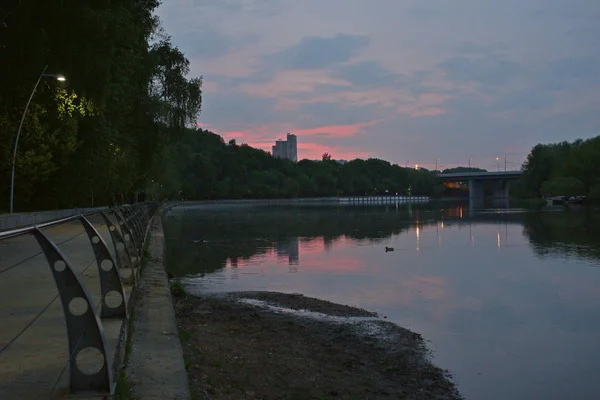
[[286, 148]]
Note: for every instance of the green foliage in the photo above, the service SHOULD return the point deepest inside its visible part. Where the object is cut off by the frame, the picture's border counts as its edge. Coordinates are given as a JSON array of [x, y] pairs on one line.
[[105, 129], [561, 169], [463, 169], [203, 166], [563, 186], [177, 289], [122, 120]]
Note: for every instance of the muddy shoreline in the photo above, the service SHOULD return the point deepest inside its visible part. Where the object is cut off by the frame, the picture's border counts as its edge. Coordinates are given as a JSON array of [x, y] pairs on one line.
[[267, 345]]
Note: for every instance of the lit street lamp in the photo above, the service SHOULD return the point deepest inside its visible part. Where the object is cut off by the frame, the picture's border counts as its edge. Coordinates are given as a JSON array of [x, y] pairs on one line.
[[14, 158], [498, 161]]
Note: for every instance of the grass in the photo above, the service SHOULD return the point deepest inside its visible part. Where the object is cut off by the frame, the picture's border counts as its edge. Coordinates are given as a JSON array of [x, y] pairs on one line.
[[124, 389], [177, 289]]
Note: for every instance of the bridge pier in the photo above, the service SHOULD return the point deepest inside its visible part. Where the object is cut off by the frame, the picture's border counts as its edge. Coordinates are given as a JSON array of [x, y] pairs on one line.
[[501, 190], [475, 190]]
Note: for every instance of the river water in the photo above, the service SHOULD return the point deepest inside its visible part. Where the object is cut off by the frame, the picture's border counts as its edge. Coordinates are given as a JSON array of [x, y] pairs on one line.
[[509, 299]]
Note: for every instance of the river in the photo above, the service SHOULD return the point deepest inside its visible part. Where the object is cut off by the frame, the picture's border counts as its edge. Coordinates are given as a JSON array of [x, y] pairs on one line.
[[509, 299]]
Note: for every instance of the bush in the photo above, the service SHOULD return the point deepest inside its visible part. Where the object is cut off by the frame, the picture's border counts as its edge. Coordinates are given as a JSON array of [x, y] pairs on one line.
[[564, 186]]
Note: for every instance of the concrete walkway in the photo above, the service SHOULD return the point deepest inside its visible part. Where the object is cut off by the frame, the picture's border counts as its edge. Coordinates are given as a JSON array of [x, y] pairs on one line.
[[35, 366], [156, 368]]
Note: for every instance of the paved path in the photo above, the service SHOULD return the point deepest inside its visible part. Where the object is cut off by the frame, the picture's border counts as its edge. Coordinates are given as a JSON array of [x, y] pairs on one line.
[[35, 366], [156, 367]]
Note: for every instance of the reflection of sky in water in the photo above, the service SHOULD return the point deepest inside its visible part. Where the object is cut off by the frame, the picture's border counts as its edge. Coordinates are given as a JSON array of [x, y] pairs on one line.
[[507, 323]]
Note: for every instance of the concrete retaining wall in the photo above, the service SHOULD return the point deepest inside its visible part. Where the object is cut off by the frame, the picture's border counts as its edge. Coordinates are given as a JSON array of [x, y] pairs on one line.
[[12, 221]]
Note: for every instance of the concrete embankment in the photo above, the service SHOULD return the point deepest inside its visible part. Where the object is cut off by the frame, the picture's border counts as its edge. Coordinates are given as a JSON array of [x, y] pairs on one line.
[[155, 367]]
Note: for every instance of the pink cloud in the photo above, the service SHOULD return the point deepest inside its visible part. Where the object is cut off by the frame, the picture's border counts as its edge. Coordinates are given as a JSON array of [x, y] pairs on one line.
[[314, 151], [263, 137], [291, 82], [336, 130]]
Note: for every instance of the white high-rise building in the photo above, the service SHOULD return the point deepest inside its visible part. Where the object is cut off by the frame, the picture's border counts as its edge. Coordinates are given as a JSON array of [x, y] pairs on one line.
[[287, 148]]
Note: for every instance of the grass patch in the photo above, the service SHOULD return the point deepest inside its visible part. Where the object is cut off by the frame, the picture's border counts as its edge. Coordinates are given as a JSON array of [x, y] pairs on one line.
[[177, 289], [124, 390]]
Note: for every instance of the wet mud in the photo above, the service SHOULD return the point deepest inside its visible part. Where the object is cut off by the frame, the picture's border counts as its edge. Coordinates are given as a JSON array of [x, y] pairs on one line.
[[267, 345]]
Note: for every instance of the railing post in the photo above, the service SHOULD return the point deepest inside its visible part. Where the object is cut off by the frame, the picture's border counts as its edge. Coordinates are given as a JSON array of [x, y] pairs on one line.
[[84, 329], [111, 286], [129, 237], [133, 222], [138, 225], [121, 250]]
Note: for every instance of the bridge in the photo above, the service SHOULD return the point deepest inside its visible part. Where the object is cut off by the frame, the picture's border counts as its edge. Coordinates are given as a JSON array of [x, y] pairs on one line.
[[477, 181]]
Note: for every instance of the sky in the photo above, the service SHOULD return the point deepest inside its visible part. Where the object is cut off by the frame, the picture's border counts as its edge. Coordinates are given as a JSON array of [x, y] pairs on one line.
[[408, 81]]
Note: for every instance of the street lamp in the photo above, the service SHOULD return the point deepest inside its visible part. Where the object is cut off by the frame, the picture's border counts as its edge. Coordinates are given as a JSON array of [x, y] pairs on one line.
[[497, 161], [470, 161], [436, 163], [14, 158]]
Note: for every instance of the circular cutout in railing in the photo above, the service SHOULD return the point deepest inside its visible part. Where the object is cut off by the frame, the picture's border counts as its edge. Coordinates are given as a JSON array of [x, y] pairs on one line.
[[113, 299], [60, 265], [126, 273], [78, 306], [89, 360], [106, 265]]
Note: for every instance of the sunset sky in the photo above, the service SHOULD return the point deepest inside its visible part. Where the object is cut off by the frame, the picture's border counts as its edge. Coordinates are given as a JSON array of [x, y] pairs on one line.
[[402, 80]]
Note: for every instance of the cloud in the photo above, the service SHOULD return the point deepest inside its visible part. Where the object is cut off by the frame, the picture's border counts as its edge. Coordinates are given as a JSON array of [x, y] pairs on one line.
[[398, 81], [471, 48], [317, 52], [211, 43], [420, 12], [584, 68], [367, 73], [485, 70], [313, 114]]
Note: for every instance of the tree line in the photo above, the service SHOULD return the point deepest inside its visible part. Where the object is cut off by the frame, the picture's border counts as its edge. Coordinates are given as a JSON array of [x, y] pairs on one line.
[[123, 122], [111, 126], [562, 169], [206, 167]]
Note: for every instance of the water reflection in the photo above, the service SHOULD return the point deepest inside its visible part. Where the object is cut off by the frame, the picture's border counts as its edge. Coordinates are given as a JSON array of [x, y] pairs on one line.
[[503, 295]]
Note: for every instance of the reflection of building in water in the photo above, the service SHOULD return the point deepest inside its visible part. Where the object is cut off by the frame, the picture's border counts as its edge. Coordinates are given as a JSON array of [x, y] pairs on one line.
[[289, 249], [327, 243], [234, 267]]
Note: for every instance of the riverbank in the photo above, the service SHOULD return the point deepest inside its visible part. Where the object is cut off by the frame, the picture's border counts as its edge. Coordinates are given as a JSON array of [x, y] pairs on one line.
[[265, 345]]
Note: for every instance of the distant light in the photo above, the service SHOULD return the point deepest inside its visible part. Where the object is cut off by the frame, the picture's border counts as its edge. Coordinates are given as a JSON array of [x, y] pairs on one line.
[[416, 166], [61, 78]]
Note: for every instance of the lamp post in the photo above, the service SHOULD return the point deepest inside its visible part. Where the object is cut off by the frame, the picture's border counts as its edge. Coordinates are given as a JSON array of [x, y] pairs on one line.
[[498, 162], [436, 163], [14, 158], [470, 161]]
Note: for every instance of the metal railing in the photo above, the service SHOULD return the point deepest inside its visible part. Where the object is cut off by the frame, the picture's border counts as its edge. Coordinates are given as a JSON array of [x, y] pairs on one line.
[[127, 227]]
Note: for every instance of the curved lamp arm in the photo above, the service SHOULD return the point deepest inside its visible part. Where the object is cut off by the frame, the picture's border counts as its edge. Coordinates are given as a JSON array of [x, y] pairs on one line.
[[14, 157]]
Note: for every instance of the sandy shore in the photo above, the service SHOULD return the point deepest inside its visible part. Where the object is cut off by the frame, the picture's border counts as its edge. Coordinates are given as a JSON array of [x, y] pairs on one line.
[[266, 345]]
